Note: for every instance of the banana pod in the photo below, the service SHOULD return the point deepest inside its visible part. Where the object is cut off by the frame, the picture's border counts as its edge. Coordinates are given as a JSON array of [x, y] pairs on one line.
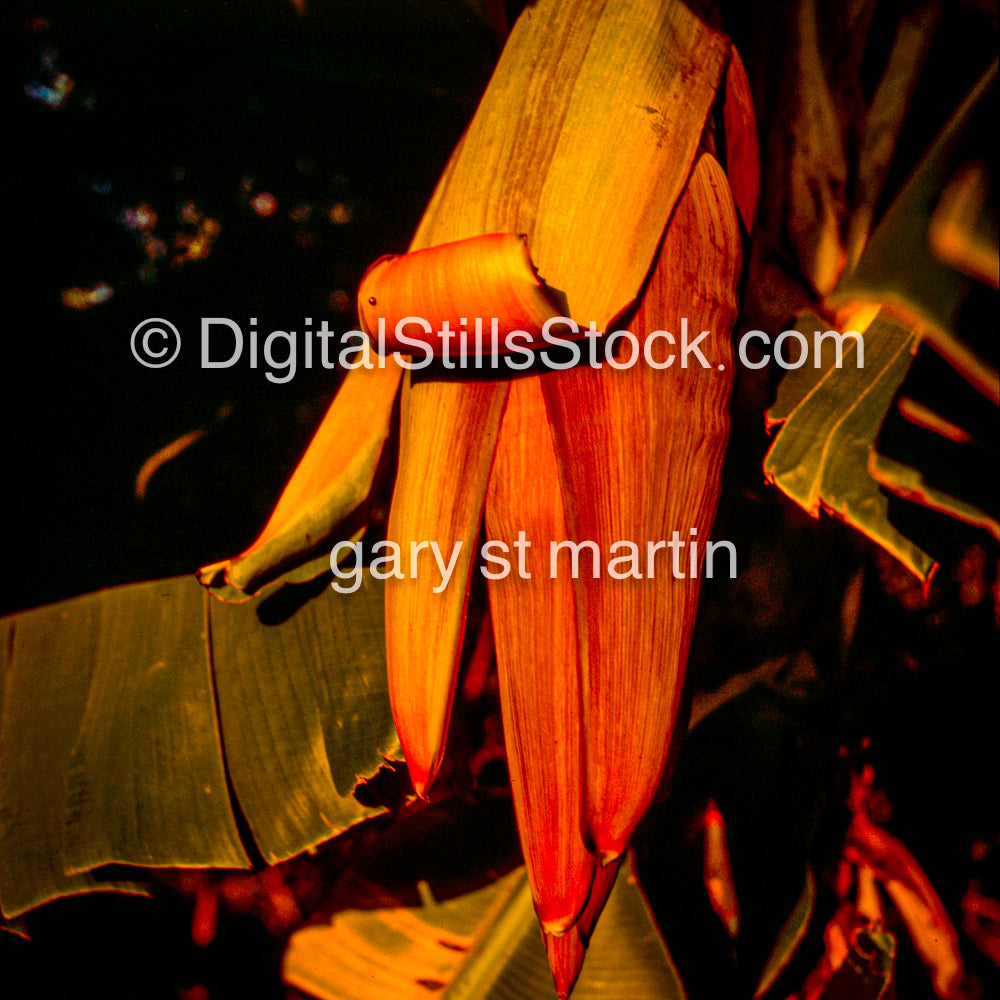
[[640, 452], [534, 623], [424, 626], [583, 164]]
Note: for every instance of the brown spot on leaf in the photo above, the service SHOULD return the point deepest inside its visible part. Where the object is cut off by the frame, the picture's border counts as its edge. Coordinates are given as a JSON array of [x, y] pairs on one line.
[[431, 984]]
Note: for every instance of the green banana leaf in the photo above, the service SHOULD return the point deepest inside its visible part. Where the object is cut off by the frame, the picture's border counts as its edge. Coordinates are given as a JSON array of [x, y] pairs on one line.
[[305, 713], [884, 119], [44, 699], [135, 720], [485, 945], [830, 417]]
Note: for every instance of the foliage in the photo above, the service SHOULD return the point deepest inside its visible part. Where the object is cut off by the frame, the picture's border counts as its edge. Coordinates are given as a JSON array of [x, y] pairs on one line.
[[108, 693]]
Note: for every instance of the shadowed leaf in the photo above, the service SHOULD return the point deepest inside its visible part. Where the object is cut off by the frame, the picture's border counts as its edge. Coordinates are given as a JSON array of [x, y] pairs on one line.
[[963, 229], [481, 946], [899, 269], [813, 192], [789, 937], [884, 120]]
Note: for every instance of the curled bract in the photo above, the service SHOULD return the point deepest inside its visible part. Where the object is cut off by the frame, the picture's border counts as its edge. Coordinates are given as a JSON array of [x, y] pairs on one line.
[[485, 289]]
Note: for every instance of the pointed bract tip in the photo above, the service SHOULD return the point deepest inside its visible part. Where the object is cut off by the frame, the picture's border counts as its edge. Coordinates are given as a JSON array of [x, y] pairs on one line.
[[565, 954], [421, 778]]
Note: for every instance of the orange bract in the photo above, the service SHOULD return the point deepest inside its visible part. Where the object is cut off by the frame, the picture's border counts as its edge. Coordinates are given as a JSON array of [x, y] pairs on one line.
[[534, 621], [640, 455], [486, 278], [448, 432]]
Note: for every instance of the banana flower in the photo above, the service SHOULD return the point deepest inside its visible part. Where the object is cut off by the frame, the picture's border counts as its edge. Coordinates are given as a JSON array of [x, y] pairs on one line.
[[588, 188]]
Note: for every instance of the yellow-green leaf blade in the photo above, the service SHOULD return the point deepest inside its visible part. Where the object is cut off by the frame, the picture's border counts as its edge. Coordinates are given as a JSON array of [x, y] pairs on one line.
[[147, 785], [47, 676], [327, 491], [481, 946], [304, 712], [819, 458]]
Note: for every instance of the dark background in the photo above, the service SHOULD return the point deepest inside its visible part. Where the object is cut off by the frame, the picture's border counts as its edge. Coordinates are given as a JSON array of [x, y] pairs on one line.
[[356, 104]]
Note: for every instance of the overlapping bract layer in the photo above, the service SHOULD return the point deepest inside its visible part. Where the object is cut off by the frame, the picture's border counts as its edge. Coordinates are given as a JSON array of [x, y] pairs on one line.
[[534, 624], [424, 629], [587, 163], [591, 668], [640, 454]]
